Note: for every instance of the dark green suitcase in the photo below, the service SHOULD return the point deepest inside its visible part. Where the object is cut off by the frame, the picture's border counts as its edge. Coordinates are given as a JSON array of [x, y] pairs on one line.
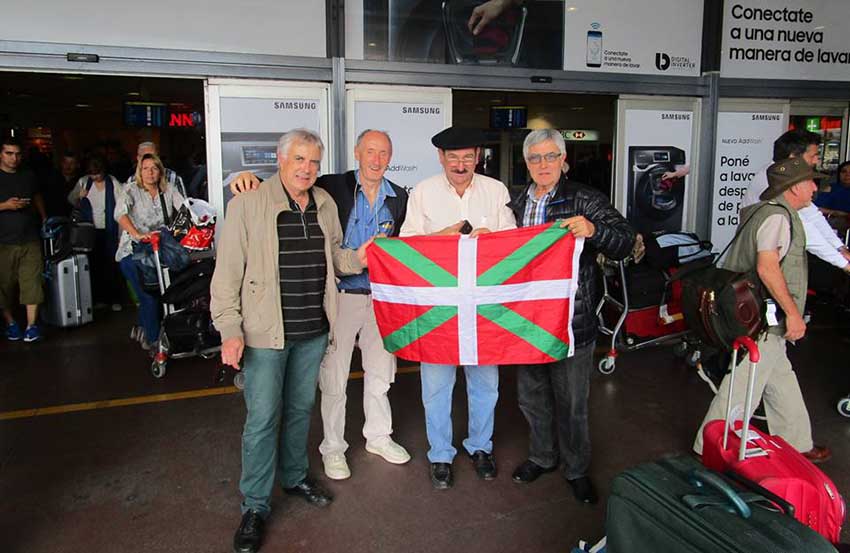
[[677, 505]]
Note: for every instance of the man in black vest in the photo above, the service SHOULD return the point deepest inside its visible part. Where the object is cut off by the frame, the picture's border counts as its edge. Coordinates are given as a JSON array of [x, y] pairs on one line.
[[368, 205]]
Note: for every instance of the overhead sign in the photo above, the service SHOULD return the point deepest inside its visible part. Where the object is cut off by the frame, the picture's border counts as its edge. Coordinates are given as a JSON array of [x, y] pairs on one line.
[[744, 146], [772, 39], [652, 37], [580, 135]]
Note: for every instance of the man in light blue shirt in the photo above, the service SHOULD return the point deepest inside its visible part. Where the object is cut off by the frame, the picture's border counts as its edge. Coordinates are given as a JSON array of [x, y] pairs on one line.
[[369, 205]]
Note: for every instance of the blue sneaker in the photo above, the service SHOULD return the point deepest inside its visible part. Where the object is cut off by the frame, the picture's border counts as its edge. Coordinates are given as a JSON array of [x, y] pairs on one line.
[[13, 332], [33, 334]]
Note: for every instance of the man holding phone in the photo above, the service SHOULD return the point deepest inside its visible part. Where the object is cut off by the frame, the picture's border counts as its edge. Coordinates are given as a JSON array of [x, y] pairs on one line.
[[21, 263], [457, 201]]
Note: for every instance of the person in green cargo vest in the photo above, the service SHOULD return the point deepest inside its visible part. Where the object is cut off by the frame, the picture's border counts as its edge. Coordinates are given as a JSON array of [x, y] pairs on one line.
[[773, 241]]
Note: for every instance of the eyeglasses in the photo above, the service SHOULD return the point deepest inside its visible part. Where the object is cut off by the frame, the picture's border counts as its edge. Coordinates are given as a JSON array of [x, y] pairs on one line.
[[465, 160], [551, 157]]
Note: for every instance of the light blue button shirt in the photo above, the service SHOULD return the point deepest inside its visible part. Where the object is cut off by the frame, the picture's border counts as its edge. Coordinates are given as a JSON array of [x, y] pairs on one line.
[[364, 222]]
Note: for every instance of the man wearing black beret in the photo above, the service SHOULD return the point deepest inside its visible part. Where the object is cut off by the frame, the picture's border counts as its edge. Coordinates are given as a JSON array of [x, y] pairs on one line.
[[458, 201]]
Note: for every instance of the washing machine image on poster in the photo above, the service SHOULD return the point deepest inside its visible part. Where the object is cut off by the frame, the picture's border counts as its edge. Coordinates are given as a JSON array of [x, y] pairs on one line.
[[656, 188], [655, 165]]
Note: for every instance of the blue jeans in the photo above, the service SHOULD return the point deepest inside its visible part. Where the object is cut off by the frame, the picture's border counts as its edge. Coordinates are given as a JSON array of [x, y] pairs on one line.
[[482, 388], [149, 314], [280, 389]]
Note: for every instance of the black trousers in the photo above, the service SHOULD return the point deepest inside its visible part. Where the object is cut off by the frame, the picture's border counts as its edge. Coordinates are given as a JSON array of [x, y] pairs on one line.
[[553, 397]]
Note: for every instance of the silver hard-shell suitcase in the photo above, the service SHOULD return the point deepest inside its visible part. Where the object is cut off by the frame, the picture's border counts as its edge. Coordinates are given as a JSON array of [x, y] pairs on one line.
[[69, 284]]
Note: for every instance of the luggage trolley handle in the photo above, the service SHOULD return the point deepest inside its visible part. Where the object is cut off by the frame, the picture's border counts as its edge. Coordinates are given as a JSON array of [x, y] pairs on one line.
[[750, 345], [154, 240]]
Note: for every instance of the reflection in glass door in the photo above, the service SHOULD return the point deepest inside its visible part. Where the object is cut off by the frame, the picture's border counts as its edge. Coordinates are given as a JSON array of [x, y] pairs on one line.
[[830, 129]]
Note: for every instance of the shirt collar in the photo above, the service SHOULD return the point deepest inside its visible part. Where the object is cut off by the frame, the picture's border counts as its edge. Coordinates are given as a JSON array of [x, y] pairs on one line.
[[449, 186], [293, 205], [384, 191], [549, 195]]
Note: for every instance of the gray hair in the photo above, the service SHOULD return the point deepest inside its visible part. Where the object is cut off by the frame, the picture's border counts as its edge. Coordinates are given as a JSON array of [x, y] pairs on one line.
[[298, 135], [542, 135], [147, 144], [364, 133]]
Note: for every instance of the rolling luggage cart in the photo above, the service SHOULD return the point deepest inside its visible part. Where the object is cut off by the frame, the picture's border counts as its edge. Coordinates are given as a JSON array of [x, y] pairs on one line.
[[640, 327], [184, 332]]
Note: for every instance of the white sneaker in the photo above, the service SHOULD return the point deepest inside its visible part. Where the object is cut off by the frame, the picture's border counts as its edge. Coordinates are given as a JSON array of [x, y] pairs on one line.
[[390, 451], [336, 468]]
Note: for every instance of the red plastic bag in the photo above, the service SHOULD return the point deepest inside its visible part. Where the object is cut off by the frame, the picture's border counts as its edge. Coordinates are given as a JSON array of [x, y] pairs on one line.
[[198, 238]]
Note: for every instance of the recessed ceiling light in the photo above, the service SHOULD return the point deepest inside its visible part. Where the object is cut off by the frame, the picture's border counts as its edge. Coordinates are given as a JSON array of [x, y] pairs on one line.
[[571, 9], [134, 94], [82, 105], [373, 44]]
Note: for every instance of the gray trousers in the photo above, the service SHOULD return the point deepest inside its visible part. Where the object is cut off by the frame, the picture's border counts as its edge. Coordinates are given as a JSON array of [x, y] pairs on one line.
[[553, 397]]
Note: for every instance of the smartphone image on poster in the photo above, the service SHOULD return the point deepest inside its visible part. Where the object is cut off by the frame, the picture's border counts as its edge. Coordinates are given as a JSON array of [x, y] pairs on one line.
[[594, 49]]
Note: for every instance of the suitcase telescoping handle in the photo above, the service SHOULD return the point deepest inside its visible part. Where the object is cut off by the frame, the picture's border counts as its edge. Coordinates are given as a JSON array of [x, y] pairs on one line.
[[754, 355]]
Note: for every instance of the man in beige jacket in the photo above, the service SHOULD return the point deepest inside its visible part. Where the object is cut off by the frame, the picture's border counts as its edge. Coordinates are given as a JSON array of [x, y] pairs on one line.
[[274, 299]]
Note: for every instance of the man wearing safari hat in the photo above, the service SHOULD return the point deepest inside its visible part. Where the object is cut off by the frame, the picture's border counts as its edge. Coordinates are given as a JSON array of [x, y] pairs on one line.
[[455, 201], [772, 241]]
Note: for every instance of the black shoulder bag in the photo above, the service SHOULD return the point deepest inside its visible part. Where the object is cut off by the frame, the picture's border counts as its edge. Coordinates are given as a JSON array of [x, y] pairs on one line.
[[721, 305]]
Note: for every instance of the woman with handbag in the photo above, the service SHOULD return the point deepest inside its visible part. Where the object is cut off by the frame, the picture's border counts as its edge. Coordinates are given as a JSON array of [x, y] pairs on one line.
[[93, 200], [145, 206]]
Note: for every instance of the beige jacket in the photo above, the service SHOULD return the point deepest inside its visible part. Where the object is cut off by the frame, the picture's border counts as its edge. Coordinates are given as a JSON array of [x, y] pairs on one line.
[[246, 284]]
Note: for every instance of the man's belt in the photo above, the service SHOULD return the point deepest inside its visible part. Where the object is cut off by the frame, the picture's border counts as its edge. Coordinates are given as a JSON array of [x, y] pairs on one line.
[[358, 291]]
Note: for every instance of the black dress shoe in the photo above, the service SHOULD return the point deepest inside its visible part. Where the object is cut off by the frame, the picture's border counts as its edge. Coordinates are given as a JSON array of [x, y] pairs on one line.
[[249, 535], [485, 464], [311, 492], [583, 489], [441, 475], [530, 471]]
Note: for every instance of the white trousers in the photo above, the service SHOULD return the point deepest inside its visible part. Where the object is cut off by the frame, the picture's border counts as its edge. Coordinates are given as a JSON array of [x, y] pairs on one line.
[[356, 316], [776, 384]]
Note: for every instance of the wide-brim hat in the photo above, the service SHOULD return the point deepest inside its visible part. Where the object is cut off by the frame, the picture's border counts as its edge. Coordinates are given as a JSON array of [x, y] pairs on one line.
[[458, 138], [784, 174]]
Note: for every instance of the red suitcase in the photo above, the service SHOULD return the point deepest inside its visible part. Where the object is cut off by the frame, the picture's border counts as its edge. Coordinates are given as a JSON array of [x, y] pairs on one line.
[[771, 462]]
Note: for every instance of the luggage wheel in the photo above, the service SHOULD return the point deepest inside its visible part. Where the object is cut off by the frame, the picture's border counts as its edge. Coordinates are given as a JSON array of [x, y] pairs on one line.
[[157, 369], [158, 364], [607, 364], [844, 406]]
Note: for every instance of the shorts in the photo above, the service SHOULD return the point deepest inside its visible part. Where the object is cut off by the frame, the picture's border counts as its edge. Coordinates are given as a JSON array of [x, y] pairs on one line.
[[21, 266]]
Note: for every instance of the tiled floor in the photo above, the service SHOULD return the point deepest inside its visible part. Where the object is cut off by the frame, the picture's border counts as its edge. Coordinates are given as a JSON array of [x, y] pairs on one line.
[[164, 476]]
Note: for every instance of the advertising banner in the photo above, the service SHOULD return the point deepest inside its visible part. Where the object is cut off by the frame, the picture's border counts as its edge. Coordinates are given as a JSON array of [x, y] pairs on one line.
[[251, 127], [246, 118], [656, 159], [652, 37], [744, 145], [411, 116], [769, 39]]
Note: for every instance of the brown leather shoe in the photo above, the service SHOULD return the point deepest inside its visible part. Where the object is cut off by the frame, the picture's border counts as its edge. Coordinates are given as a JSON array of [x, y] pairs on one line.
[[818, 454]]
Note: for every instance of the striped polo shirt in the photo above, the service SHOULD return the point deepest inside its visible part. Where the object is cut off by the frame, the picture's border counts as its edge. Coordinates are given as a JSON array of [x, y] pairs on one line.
[[303, 270]]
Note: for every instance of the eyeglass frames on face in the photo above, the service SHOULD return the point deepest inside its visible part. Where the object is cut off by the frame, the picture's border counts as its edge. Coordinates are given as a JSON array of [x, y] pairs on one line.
[[465, 160], [551, 157]]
